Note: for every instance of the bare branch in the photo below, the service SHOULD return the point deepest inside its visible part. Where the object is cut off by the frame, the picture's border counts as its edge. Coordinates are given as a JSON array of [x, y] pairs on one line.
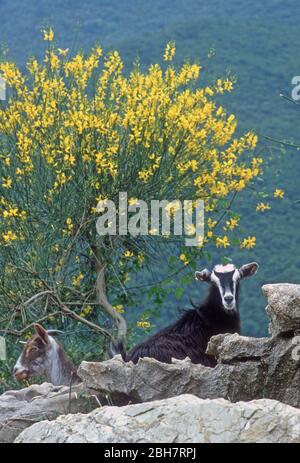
[[31, 325], [68, 312], [64, 309], [36, 296]]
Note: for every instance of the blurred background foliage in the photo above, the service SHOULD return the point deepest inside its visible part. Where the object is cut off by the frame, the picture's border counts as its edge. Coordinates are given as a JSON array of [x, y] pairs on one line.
[[259, 43]]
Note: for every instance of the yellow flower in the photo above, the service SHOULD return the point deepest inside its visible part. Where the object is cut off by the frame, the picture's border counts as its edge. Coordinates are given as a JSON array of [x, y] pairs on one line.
[[209, 91], [119, 308], [128, 253], [262, 207], [133, 201], [61, 180], [153, 231], [7, 182], [190, 229], [144, 175], [170, 51], [9, 237], [222, 242], [184, 259], [87, 310], [141, 258], [70, 226], [278, 193], [12, 212], [228, 85], [143, 324], [232, 223], [48, 35], [55, 248], [249, 243], [63, 52], [211, 223], [76, 280]]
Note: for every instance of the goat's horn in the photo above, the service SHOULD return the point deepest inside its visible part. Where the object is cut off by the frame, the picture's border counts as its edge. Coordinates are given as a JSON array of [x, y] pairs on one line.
[[54, 332]]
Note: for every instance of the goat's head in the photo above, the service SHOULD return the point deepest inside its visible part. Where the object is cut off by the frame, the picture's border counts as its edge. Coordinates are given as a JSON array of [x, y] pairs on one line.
[[36, 354], [226, 279]]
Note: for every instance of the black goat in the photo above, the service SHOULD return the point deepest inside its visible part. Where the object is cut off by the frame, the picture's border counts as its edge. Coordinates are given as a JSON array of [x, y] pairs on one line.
[[189, 336]]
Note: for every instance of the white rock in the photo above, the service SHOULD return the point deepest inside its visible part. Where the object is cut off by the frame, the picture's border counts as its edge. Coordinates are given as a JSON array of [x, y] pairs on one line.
[[183, 419], [283, 307]]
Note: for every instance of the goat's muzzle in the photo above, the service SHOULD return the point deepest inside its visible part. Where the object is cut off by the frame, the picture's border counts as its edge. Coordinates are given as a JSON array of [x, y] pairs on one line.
[[20, 375]]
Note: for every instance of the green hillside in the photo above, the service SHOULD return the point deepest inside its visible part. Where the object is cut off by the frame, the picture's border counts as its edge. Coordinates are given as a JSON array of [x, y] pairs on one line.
[[257, 41]]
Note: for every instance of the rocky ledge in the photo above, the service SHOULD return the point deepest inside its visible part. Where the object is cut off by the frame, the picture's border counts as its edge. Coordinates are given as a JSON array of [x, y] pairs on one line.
[[183, 419], [248, 369], [21, 409]]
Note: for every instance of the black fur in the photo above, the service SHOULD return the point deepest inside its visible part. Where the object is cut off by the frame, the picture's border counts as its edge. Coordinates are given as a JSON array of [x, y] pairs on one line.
[[189, 336]]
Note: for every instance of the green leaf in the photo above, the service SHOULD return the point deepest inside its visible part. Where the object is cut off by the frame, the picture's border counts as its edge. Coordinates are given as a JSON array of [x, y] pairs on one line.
[[178, 293]]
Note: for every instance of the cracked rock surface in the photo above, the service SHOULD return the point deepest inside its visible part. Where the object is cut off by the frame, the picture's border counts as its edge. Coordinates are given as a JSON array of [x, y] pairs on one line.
[[183, 419], [20, 409], [283, 308], [247, 369]]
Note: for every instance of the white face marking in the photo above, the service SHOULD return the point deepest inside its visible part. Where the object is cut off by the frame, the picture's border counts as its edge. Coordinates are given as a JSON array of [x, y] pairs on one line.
[[227, 289], [18, 366], [224, 268]]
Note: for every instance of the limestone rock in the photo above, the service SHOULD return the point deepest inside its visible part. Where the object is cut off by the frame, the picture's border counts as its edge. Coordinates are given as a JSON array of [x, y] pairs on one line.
[[20, 409], [248, 369], [184, 419], [149, 379], [233, 348], [283, 308]]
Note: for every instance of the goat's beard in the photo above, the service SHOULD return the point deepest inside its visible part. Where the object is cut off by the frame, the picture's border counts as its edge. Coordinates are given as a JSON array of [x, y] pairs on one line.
[[230, 308]]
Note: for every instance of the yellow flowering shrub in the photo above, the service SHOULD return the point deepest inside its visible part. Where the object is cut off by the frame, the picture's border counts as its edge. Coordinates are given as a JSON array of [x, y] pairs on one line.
[[78, 129]]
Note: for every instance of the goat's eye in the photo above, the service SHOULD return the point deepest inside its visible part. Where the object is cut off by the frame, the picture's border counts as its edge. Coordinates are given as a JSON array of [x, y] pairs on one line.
[[36, 362]]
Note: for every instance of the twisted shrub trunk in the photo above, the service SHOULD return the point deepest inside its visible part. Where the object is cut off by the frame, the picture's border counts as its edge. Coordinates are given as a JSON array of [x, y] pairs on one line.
[[101, 294]]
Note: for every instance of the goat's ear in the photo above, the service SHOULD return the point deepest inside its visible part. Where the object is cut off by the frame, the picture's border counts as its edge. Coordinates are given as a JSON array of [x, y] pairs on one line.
[[55, 332], [248, 270], [42, 333], [204, 275]]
